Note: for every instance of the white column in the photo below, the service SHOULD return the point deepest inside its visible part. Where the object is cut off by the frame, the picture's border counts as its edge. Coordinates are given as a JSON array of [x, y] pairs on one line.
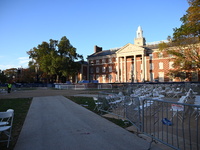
[[146, 70], [121, 73], [118, 69], [143, 68], [135, 69], [125, 69]]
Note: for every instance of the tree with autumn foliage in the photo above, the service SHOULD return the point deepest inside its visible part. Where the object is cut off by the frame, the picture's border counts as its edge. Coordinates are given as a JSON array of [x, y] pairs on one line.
[[185, 43]]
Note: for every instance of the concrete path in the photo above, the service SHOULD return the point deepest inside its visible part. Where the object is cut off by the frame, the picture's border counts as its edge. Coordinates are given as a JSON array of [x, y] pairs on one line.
[[56, 123]]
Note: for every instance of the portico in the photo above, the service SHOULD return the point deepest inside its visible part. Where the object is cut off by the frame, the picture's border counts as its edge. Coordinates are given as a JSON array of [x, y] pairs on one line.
[[131, 63]]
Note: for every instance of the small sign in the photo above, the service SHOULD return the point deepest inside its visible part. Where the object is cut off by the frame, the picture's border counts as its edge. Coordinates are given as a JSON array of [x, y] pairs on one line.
[[176, 107]]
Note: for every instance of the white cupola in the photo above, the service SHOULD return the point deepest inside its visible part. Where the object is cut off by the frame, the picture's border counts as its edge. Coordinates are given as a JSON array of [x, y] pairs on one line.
[[139, 40]]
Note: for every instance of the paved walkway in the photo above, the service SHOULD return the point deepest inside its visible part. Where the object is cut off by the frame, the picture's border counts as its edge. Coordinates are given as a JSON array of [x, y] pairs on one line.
[[56, 123]]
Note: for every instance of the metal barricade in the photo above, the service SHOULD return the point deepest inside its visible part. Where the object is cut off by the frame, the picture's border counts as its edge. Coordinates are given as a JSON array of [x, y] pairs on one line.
[[170, 123], [173, 124]]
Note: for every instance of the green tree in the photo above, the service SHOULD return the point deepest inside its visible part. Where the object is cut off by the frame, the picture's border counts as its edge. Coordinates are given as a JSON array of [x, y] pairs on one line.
[[11, 74], [55, 58], [3, 78]]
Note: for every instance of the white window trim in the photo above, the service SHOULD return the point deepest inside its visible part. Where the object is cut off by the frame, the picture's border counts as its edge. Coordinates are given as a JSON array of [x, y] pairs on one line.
[[103, 69], [160, 65], [110, 68], [171, 65]]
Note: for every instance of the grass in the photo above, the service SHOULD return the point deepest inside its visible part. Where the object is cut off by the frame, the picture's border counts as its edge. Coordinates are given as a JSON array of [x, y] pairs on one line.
[[20, 106], [88, 103]]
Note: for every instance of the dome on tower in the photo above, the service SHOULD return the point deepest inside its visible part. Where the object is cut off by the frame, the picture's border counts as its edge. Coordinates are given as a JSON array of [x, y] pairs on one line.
[[139, 28]]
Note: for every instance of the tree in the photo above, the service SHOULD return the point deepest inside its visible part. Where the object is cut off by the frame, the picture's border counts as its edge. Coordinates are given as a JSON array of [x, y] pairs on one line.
[[55, 58], [185, 45], [3, 78], [11, 74]]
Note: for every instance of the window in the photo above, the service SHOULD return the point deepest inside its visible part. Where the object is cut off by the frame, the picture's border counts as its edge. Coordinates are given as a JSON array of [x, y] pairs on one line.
[[116, 68], [151, 66], [103, 61], [150, 56], [91, 62], [182, 64], [141, 66], [91, 77], [132, 67], [182, 51], [151, 76], [110, 60], [161, 76], [97, 77], [110, 78], [97, 69], [141, 77], [160, 55], [171, 65], [110, 68], [160, 65], [194, 76], [170, 55], [194, 64], [91, 70], [97, 61], [103, 69], [104, 78]]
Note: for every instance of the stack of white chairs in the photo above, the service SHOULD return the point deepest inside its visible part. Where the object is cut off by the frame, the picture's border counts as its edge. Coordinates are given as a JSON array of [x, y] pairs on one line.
[[6, 122]]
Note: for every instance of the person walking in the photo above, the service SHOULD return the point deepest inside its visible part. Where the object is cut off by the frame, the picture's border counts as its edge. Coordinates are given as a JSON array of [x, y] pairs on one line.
[[9, 87]]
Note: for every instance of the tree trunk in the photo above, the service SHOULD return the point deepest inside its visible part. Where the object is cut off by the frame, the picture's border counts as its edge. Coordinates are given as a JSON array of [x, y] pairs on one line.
[[57, 78]]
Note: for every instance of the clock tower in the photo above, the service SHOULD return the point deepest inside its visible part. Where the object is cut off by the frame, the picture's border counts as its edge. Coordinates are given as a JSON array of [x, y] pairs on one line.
[[139, 40]]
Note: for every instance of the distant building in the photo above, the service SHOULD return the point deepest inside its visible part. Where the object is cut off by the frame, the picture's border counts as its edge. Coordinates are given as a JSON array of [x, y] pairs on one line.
[[131, 63], [82, 73]]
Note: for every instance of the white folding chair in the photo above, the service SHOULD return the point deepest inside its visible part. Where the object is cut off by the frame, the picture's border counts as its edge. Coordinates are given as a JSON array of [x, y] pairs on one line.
[[179, 110], [97, 103], [5, 121], [6, 125], [196, 109]]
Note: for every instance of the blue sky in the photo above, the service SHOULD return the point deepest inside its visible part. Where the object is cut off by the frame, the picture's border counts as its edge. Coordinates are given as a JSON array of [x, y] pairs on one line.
[[107, 23]]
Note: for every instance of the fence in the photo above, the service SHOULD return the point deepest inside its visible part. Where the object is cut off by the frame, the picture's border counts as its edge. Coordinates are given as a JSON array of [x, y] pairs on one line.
[[171, 123], [83, 86]]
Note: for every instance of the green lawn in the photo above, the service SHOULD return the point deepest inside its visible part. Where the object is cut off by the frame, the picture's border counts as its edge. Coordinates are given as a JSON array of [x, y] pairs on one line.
[[20, 106]]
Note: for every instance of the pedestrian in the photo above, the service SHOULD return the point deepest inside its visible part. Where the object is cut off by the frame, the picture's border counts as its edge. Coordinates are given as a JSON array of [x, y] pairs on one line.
[[9, 87]]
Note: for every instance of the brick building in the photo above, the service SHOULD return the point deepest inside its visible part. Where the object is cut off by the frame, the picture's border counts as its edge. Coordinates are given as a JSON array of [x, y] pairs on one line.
[[131, 63]]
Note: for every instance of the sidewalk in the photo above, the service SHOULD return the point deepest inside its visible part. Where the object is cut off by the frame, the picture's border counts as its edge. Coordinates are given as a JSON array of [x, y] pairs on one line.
[[56, 123]]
